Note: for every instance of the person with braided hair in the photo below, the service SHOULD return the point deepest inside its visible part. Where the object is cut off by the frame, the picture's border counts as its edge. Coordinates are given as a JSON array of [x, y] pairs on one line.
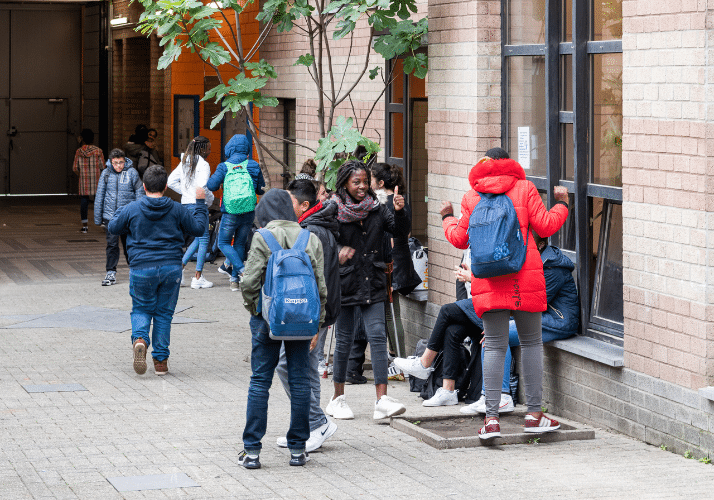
[[191, 173], [363, 281]]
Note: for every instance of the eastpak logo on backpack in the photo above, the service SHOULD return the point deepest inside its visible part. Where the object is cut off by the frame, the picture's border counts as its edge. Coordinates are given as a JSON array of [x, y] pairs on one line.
[[495, 237], [291, 299]]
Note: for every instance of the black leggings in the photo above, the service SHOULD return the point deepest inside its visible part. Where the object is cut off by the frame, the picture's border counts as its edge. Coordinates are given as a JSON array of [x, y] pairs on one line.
[[451, 328]]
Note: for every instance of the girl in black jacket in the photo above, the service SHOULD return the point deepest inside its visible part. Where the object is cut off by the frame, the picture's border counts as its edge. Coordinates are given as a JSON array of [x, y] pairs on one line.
[[363, 281]]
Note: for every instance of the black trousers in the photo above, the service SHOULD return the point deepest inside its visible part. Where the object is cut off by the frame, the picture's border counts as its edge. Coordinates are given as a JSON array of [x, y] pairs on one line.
[[113, 250], [450, 330]]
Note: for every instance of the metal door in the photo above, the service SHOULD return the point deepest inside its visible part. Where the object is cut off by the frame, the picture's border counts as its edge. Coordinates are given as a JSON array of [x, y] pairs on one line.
[[38, 146]]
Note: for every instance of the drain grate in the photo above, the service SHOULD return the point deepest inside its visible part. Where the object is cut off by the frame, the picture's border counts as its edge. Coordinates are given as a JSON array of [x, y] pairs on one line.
[[462, 431]]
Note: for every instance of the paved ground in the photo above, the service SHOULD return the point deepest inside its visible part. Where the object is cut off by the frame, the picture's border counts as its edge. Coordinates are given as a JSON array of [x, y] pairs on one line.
[[67, 444]]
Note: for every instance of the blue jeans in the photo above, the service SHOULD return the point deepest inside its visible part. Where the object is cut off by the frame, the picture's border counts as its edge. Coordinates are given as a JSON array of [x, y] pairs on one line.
[[235, 227], [200, 244], [513, 341], [154, 292], [317, 416], [264, 357]]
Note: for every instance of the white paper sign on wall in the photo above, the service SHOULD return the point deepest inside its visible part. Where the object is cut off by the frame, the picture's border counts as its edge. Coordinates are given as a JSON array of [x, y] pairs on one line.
[[524, 147]]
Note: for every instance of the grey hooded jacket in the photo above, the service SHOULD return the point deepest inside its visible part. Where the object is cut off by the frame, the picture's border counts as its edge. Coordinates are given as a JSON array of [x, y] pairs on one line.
[[116, 189]]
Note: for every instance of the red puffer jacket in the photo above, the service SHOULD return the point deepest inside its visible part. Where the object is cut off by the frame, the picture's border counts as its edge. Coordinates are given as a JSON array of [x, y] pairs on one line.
[[524, 290]]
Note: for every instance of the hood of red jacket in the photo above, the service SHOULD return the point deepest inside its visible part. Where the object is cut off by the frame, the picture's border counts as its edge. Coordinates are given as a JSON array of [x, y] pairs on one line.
[[496, 176]]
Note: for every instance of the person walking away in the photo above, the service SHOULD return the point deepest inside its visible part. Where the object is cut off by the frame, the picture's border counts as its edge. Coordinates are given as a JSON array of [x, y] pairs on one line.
[[119, 184], [242, 180], [321, 220], [88, 164], [275, 213], [193, 172], [521, 294], [154, 227], [363, 280]]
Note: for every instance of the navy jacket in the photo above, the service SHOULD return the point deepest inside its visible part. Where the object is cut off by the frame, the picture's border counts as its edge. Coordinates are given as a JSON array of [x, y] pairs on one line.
[[237, 151], [155, 229], [563, 313], [116, 189]]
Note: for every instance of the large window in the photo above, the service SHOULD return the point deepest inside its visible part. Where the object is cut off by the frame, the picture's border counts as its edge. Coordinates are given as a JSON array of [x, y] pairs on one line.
[[562, 111]]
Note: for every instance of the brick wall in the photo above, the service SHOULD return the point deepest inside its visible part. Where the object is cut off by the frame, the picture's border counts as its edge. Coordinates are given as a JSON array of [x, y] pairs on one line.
[[666, 202], [464, 115]]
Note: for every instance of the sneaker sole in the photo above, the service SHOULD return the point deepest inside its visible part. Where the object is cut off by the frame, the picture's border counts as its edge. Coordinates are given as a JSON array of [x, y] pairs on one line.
[[251, 466], [470, 411], [445, 403], [140, 358], [490, 435], [339, 418], [201, 286], [381, 416], [540, 430], [108, 283]]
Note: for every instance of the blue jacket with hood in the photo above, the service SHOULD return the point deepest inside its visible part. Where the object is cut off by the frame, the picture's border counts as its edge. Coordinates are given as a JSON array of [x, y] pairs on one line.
[[237, 151], [155, 229], [116, 189], [563, 313]]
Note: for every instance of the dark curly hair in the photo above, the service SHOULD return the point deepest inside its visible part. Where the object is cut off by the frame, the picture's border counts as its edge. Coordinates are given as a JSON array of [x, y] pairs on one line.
[[345, 172], [391, 175]]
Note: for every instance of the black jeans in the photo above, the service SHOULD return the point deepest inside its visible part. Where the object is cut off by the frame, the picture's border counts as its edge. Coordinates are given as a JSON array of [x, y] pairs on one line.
[[113, 250], [84, 208], [451, 328]]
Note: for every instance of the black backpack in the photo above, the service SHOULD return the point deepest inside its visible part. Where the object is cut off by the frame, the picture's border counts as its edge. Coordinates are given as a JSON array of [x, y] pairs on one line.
[[144, 161]]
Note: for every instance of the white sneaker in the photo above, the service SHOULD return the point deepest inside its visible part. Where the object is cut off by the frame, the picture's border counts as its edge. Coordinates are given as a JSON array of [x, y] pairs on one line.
[[338, 408], [387, 407], [506, 405], [442, 398], [412, 366], [183, 278], [321, 369], [200, 283], [317, 437]]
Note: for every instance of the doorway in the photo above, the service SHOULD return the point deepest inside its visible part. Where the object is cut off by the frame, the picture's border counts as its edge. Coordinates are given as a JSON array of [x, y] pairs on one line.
[[41, 97]]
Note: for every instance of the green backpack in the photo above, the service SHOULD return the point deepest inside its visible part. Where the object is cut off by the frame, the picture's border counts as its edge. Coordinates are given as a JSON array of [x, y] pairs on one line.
[[238, 190]]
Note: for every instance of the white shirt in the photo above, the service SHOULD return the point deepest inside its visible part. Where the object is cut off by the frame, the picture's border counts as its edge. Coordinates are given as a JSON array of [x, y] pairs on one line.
[[187, 189]]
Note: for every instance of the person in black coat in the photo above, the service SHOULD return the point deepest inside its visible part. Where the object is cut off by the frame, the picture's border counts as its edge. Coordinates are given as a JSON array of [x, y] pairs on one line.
[[363, 221]]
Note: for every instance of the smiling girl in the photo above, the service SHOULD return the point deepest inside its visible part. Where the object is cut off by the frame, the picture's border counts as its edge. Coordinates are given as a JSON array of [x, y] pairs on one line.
[[363, 281]]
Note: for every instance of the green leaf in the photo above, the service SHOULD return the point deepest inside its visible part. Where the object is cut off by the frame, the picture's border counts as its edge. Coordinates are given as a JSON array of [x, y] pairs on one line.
[[262, 69], [373, 72], [215, 54], [305, 60]]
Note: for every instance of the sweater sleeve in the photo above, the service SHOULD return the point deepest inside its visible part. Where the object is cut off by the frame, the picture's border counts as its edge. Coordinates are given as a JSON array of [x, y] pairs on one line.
[[396, 223], [195, 224], [174, 181], [138, 185], [120, 222], [254, 270], [257, 175]]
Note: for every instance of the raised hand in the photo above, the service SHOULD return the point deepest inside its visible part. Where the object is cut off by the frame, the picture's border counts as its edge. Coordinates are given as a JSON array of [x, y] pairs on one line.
[[446, 208], [398, 199]]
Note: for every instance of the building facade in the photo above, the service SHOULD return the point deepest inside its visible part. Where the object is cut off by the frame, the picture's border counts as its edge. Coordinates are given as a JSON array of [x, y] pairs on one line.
[[611, 99]]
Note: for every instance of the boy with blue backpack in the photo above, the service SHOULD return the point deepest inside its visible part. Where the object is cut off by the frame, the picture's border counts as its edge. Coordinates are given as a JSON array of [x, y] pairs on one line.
[[242, 180], [282, 280]]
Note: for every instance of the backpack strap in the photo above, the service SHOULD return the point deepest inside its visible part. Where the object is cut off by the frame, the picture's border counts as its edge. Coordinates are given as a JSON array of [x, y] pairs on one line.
[[270, 240], [302, 239]]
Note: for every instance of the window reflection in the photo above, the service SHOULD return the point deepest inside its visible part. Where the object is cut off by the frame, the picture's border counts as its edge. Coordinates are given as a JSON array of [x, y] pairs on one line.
[[607, 19], [607, 297], [526, 21], [526, 118], [607, 119]]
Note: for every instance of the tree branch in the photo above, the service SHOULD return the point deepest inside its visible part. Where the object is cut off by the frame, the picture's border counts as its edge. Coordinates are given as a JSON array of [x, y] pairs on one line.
[[364, 70]]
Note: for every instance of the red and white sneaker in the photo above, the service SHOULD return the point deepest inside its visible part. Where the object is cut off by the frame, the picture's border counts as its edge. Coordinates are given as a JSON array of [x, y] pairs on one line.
[[538, 424], [491, 429]]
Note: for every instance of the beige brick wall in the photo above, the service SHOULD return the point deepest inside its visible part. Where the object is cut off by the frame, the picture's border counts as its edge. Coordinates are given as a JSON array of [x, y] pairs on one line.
[[464, 115], [294, 82], [666, 200]]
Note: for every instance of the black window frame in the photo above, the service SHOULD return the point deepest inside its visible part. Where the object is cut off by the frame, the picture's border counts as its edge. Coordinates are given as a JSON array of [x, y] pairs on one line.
[[581, 188], [196, 119]]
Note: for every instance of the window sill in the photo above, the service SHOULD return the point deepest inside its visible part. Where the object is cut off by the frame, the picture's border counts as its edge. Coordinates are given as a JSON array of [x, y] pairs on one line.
[[593, 349], [707, 393]]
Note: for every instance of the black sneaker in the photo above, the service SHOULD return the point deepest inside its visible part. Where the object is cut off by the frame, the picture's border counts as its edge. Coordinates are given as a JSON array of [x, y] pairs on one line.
[[110, 278], [299, 460], [355, 379], [85, 229], [249, 461]]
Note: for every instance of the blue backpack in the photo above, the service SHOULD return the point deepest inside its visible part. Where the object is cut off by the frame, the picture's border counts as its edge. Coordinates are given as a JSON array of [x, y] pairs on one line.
[[291, 299], [495, 237]]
